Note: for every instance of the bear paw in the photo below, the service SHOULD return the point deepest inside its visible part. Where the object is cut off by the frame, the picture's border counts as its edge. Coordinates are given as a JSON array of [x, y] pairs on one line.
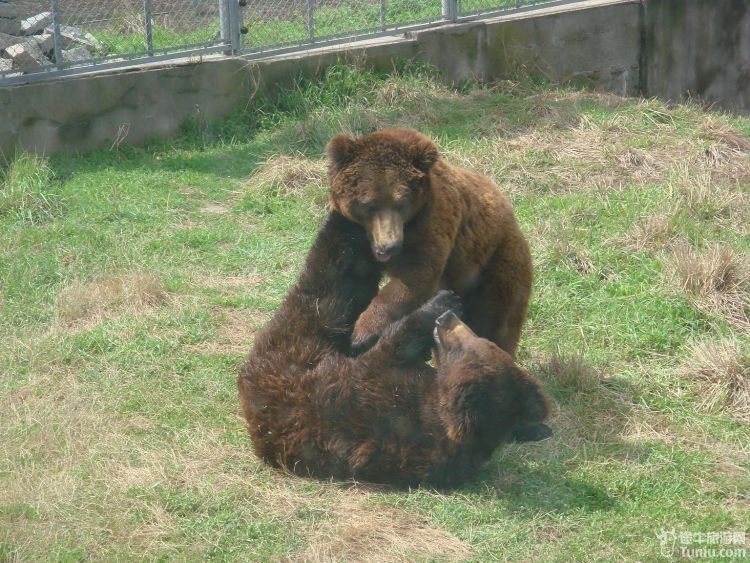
[[416, 329], [442, 302]]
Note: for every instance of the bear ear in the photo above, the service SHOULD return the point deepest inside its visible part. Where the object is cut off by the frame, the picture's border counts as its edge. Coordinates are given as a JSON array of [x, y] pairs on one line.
[[461, 427], [340, 150], [423, 153]]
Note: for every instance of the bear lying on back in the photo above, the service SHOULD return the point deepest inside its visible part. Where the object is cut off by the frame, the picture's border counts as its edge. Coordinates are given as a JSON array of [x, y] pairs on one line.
[[433, 226], [383, 416]]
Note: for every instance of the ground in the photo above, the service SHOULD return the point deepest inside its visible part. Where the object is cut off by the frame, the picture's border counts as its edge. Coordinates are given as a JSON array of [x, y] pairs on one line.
[[133, 279]]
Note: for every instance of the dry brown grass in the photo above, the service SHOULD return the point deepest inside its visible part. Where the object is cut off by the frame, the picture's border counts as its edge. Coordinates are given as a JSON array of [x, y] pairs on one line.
[[710, 195], [717, 281], [569, 372], [654, 232], [587, 157], [215, 208], [294, 175], [351, 528], [107, 295], [46, 429], [715, 130], [360, 532], [238, 325], [574, 153], [230, 284], [588, 414], [397, 92], [722, 371], [73, 464], [235, 336]]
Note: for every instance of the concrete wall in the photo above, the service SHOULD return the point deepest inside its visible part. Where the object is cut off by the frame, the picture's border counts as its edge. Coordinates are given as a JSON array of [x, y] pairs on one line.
[[83, 114], [698, 48], [668, 48], [574, 42]]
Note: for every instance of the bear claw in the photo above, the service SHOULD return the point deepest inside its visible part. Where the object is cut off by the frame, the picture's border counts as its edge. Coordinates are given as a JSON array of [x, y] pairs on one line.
[[444, 301]]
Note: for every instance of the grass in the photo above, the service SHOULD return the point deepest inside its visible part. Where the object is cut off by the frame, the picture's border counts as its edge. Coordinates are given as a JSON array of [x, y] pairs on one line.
[[133, 280], [276, 25]]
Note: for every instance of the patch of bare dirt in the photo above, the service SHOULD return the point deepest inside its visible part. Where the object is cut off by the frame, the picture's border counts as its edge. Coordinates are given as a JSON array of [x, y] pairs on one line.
[[88, 302]]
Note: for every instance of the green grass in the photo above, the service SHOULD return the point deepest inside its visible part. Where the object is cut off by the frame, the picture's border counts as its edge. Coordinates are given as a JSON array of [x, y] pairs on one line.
[[133, 280], [125, 32]]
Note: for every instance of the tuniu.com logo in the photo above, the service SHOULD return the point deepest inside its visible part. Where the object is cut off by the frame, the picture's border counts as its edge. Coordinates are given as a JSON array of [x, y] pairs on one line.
[[703, 545]]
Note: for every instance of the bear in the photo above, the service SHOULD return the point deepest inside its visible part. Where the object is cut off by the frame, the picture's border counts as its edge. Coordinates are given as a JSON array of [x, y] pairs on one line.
[[433, 226], [316, 409]]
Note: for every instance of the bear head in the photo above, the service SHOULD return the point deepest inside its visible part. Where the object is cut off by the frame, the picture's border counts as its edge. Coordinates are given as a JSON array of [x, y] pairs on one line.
[[381, 181], [485, 398]]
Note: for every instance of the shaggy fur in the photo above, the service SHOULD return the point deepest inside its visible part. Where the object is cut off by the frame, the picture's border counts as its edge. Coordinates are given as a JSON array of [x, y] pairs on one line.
[[383, 416], [433, 226]]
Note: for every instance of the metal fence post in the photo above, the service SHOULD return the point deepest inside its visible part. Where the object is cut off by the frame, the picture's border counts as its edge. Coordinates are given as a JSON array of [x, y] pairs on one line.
[[450, 10], [58, 38], [149, 27], [229, 17], [382, 15], [224, 24], [234, 25], [310, 21]]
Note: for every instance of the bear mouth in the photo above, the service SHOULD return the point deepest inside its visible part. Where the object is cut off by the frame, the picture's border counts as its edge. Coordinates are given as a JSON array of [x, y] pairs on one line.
[[443, 324], [381, 256]]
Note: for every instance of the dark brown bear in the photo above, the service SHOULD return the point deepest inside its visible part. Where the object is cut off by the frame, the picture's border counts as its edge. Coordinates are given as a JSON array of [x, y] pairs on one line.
[[433, 226], [384, 416]]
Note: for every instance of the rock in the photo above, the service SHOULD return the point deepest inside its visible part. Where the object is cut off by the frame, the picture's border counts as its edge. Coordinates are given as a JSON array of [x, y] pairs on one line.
[[9, 11], [68, 34], [10, 26], [46, 41], [93, 42], [27, 55], [7, 40], [73, 36], [36, 23], [76, 55], [6, 65]]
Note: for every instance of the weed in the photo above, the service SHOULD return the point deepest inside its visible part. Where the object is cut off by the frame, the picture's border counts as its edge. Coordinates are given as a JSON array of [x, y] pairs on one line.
[[27, 190], [722, 370]]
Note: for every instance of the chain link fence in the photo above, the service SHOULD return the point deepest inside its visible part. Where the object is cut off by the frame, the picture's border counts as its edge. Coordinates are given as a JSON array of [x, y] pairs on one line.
[[272, 26], [42, 39]]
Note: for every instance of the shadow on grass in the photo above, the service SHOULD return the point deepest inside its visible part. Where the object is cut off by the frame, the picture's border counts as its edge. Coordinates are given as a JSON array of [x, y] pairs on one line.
[[590, 416], [234, 161]]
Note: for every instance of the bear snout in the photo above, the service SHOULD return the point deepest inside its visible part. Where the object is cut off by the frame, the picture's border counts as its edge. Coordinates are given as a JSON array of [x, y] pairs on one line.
[[388, 251], [387, 234]]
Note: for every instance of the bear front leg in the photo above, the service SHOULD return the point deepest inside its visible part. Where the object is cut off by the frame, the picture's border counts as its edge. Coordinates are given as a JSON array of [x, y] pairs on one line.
[[415, 277], [394, 300], [409, 339], [415, 274]]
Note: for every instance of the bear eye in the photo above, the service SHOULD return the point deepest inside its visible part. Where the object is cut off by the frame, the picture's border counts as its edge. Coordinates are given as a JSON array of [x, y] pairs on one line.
[[361, 209], [402, 193]]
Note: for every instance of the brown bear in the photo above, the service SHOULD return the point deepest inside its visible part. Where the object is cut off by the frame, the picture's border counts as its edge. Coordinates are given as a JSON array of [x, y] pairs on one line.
[[385, 415], [433, 226]]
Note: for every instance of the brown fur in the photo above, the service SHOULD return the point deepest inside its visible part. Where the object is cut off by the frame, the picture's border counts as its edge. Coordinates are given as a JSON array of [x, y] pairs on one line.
[[436, 226], [383, 416]]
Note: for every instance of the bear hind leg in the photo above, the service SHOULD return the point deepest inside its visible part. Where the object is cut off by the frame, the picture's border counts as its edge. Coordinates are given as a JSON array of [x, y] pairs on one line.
[[496, 308]]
